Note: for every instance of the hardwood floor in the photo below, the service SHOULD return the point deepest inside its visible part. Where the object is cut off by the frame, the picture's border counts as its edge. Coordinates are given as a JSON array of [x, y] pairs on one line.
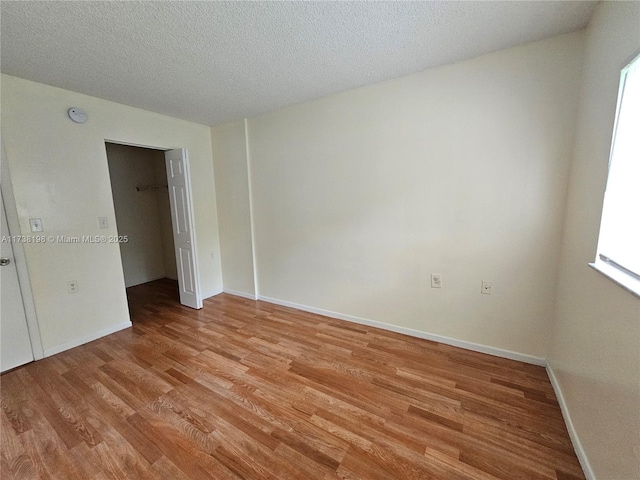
[[244, 389]]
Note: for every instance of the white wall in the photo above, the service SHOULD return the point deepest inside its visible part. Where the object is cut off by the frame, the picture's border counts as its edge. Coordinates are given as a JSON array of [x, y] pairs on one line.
[[460, 170], [59, 174], [232, 191], [596, 343], [138, 213]]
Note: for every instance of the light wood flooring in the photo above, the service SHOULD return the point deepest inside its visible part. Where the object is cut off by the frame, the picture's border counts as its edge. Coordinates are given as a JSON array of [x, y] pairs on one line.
[[250, 390]]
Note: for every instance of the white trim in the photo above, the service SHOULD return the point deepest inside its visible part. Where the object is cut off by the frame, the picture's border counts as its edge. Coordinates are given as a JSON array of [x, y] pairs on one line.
[[20, 259], [89, 338], [239, 294], [617, 276], [575, 440], [476, 347], [138, 145], [251, 219]]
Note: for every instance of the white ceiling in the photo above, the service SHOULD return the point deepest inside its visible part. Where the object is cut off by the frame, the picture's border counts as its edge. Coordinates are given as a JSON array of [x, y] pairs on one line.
[[215, 61]]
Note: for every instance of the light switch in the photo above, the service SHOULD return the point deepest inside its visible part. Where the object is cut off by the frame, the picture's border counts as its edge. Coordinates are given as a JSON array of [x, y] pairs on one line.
[[104, 223], [36, 224]]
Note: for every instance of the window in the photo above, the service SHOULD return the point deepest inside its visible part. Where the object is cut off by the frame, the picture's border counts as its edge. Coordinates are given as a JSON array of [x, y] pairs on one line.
[[618, 254]]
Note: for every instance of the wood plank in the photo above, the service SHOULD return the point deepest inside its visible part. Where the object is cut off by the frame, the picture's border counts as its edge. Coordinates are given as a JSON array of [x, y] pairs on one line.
[[245, 389]]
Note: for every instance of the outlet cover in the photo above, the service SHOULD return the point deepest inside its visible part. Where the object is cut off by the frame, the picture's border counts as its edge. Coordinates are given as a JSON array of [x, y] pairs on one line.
[[72, 286], [486, 288], [36, 224], [436, 280]]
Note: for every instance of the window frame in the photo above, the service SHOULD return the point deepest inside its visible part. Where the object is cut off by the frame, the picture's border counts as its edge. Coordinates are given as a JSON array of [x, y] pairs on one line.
[[612, 270]]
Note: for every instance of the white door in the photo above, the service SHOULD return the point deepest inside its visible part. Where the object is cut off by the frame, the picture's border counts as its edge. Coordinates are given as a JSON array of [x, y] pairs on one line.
[[182, 219], [15, 345]]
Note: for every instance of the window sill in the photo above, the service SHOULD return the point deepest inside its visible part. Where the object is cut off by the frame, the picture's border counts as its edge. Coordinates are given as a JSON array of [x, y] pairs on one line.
[[626, 281]]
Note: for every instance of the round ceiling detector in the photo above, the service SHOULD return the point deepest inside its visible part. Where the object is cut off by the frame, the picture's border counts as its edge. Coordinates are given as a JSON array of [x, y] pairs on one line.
[[77, 115]]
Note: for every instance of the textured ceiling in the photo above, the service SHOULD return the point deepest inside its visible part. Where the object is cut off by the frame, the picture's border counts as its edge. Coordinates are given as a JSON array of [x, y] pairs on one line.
[[215, 61]]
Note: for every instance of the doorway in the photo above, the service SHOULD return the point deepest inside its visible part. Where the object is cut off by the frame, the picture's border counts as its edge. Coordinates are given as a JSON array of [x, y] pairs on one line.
[[141, 201], [152, 203], [15, 345], [20, 333]]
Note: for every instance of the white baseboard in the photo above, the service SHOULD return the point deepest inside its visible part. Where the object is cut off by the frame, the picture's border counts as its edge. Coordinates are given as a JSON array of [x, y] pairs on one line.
[[575, 440], [476, 347], [89, 338], [250, 296]]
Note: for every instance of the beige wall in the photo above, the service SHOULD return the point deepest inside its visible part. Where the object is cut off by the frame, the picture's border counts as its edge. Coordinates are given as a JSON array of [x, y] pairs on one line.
[[59, 174], [234, 214], [140, 215], [596, 343], [460, 170]]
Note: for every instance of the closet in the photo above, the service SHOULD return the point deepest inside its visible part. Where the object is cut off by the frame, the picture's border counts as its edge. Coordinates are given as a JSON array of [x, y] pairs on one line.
[[143, 216]]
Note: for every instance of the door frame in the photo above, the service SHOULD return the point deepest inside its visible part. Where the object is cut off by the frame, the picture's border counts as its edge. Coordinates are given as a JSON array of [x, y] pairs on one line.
[[19, 257], [189, 199]]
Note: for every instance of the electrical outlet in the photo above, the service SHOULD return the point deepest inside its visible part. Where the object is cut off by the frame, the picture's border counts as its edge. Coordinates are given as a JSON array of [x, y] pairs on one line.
[[486, 288], [36, 224], [436, 280], [104, 223], [72, 286]]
